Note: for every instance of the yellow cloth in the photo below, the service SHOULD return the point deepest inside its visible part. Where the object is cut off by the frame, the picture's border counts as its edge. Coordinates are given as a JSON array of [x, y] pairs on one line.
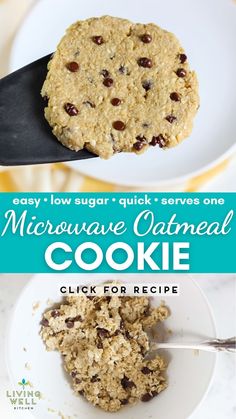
[[59, 177]]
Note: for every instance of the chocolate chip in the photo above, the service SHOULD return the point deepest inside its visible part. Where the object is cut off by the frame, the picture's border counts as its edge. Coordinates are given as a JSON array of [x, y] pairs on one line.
[[127, 383], [99, 345], [81, 392], [71, 109], [44, 322], [145, 62], [146, 312], [183, 58], [102, 333], [90, 297], [117, 332], [140, 142], [105, 73], [175, 96], [159, 140], [89, 104], [95, 379], [97, 306], [146, 370], [123, 402], [118, 125], [108, 82], [73, 66], [55, 313], [73, 374], [146, 397], [143, 351], [147, 85], [170, 118], [128, 336], [78, 381], [98, 40], [141, 138], [108, 299], [138, 145], [181, 72], [115, 101], [146, 38], [69, 323]]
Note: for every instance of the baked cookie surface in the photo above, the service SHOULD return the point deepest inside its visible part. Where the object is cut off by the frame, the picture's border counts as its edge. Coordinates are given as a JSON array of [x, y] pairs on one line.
[[116, 86], [104, 341]]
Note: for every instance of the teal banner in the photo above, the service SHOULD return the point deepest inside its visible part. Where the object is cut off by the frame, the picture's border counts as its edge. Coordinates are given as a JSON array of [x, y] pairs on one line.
[[117, 232]]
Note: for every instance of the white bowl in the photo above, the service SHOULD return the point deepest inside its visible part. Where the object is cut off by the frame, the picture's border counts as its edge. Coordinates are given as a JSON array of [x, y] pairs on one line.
[[207, 31], [189, 374]]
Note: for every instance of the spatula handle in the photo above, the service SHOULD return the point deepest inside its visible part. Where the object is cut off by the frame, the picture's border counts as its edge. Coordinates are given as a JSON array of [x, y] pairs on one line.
[[25, 135]]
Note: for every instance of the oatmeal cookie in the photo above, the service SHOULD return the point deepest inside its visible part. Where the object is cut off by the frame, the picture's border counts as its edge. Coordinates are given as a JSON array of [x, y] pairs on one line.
[[115, 86], [104, 341]]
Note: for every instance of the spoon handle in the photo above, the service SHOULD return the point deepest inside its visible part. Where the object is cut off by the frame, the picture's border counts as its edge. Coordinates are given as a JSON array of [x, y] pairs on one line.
[[211, 345]]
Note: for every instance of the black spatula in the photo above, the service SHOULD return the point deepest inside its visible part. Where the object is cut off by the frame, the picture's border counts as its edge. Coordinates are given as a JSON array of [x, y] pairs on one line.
[[25, 136]]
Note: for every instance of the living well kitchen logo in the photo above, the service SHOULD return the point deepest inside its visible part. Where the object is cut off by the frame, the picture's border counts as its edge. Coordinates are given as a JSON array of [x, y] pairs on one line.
[[25, 398]]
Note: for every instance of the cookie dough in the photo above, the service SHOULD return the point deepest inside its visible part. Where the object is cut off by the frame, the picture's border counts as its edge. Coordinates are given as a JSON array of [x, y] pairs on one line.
[[103, 341], [116, 86]]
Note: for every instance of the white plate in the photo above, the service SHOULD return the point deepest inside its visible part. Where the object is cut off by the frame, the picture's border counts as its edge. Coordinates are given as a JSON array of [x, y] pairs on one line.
[[189, 374], [206, 29]]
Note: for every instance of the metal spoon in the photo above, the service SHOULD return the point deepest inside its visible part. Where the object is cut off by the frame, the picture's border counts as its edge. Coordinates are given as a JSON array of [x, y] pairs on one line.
[[25, 136], [211, 345]]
